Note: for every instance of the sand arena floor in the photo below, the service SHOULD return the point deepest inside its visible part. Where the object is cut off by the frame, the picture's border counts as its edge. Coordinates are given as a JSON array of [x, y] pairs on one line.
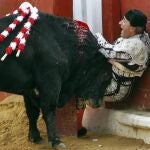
[[14, 129]]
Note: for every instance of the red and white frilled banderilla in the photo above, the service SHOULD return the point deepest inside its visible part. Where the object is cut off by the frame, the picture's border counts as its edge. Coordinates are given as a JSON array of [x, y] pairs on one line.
[[18, 43]]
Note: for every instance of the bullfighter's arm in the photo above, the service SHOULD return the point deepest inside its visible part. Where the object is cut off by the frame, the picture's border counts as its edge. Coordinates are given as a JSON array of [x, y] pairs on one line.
[[108, 51]]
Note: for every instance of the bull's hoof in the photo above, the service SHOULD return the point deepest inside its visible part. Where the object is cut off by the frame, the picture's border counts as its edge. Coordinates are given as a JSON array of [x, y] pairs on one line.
[[35, 138], [36, 141], [60, 146]]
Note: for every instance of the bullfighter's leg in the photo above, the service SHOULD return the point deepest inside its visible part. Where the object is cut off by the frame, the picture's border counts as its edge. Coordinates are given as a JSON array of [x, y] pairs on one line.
[[82, 131], [80, 104], [32, 111]]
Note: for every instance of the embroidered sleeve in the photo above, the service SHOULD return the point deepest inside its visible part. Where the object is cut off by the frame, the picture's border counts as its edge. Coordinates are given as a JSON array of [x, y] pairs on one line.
[[108, 51], [102, 42], [118, 56]]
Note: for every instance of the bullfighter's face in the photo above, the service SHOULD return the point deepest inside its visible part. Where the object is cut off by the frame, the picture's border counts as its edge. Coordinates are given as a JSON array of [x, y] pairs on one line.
[[126, 29]]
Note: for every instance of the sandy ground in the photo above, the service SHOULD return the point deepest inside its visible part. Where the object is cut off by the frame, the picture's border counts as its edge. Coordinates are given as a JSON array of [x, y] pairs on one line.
[[14, 129]]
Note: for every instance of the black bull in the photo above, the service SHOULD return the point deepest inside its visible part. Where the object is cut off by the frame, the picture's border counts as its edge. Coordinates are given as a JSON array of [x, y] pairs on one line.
[[55, 66]]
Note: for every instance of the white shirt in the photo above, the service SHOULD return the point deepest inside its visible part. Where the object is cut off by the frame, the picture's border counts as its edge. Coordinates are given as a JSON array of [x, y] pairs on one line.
[[133, 50]]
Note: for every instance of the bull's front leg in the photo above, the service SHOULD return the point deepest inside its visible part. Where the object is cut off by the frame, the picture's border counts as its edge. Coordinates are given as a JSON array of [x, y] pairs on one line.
[[50, 86], [49, 115]]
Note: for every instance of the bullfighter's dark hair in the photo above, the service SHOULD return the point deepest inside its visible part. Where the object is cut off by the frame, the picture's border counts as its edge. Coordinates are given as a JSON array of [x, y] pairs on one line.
[[136, 18]]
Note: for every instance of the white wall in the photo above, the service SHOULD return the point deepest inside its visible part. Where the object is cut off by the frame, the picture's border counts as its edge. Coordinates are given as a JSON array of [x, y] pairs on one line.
[[128, 123], [89, 11]]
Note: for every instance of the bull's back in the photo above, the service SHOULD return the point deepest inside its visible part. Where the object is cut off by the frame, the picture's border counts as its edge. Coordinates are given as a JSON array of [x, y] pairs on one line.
[[15, 73]]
